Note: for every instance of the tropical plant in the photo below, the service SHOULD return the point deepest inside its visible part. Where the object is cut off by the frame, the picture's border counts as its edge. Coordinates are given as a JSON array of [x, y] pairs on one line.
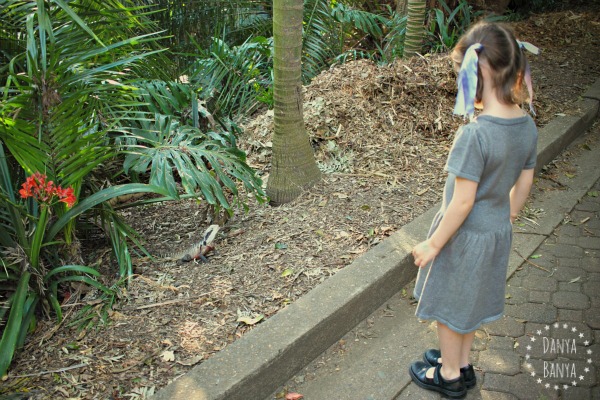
[[233, 78], [293, 164], [85, 85], [447, 25]]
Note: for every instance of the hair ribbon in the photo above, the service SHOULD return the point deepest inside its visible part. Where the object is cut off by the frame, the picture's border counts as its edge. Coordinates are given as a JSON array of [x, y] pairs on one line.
[[467, 82], [534, 50]]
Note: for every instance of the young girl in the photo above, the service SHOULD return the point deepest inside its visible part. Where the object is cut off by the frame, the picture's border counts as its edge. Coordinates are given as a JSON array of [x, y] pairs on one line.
[[463, 263]]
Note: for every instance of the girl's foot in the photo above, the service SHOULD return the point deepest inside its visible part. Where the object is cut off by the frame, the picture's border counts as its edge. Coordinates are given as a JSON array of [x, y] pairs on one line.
[[433, 357], [453, 388]]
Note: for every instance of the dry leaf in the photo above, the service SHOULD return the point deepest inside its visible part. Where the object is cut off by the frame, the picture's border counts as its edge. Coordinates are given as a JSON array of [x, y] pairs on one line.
[[168, 355], [250, 320], [293, 396]]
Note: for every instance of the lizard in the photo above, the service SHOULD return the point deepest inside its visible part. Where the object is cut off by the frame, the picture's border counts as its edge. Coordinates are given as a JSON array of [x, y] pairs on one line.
[[197, 251]]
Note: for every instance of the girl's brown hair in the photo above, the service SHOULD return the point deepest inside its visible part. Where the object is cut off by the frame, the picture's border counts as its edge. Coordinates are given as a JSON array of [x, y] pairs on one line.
[[502, 53]]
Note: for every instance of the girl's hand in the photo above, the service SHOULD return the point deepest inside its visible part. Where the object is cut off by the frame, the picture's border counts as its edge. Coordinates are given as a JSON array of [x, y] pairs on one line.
[[424, 253]]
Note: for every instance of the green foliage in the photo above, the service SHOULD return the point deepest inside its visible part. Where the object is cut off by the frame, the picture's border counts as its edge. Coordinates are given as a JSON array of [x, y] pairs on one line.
[[446, 25], [164, 146], [85, 86], [231, 78]]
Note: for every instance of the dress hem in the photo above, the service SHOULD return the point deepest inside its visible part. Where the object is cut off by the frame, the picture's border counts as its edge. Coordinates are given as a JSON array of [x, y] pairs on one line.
[[459, 330]]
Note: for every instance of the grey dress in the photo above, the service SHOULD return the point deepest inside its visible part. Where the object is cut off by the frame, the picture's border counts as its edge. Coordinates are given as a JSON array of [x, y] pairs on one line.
[[464, 286]]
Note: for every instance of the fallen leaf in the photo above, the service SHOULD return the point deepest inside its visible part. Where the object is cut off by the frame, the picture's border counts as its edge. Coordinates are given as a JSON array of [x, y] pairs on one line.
[[287, 272], [575, 279], [534, 256], [593, 194], [168, 355], [250, 320], [568, 175], [293, 396], [280, 246]]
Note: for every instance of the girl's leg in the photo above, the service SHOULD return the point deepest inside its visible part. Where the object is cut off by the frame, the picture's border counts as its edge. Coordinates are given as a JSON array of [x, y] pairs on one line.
[[466, 348], [451, 346]]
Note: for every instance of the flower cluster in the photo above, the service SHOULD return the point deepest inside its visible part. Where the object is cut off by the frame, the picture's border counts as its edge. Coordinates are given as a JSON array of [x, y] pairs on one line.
[[43, 191]]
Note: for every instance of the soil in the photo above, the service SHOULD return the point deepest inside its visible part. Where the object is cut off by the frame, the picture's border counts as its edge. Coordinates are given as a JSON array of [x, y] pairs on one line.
[[381, 135]]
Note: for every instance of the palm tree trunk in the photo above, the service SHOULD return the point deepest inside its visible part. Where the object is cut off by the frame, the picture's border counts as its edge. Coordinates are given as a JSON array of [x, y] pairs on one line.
[[293, 164], [401, 7], [414, 27]]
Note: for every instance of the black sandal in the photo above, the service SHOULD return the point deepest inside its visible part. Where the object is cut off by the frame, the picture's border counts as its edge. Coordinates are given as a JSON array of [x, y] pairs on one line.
[[431, 357], [453, 388]]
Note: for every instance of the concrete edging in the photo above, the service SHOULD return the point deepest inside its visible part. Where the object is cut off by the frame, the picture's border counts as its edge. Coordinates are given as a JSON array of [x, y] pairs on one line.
[[257, 364]]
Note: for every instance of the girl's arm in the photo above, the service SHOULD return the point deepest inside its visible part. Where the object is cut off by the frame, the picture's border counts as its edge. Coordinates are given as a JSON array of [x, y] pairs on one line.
[[519, 193], [459, 208]]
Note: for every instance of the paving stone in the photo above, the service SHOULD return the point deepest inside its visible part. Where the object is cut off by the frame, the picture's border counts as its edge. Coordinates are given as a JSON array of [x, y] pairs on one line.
[[516, 295], [490, 395], [505, 326], [565, 251], [499, 361], [590, 206], [569, 262], [540, 283], [571, 300], [594, 277], [570, 287], [480, 342], [562, 273], [589, 243], [540, 297], [576, 393], [412, 391], [577, 215], [596, 336], [541, 313], [523, 386], [546, 261], [573, 240], [591, 288], [591, 264], [596, 393], [568, 230], [500, 342], [570, 315], [592, 318]]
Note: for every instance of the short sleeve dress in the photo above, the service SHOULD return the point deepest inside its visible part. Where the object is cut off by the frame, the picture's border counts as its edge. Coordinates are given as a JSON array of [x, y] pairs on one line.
[[464, 286]]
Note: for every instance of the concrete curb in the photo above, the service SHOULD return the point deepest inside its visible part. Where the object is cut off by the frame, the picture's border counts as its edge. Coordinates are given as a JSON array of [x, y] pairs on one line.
[[265, 358]]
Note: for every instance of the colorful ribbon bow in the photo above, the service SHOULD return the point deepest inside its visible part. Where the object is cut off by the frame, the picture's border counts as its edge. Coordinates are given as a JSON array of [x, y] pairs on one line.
[[467, 82]]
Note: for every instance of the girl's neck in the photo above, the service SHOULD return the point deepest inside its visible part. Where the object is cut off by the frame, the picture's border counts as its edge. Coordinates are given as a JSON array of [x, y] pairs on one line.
[[494, 107]]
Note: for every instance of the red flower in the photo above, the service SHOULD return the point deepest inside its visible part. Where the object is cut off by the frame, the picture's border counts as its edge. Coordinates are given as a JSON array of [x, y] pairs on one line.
[[37, 187], [66, 196]]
